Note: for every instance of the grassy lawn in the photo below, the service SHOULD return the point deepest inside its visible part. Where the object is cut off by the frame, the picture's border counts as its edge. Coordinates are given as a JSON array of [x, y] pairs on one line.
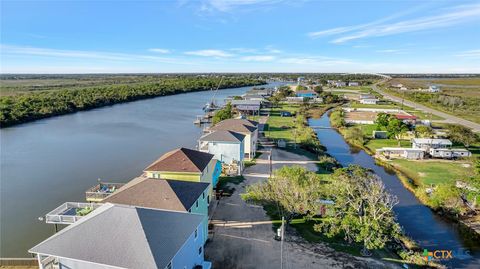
[[434, 172], [424, 116], [281, 127], [380, 143], [358, 105]]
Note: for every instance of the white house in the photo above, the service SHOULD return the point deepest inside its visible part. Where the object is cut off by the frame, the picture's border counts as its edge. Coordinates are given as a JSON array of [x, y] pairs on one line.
[[369, 101], [249, 128], [121, 236], [433, 89], [227, 147], [428, 143], [353, 83], [446, 153], [405, 153], [340, 84]]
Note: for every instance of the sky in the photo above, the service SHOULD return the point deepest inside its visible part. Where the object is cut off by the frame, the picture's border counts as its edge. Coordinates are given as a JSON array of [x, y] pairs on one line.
[[168, 36]]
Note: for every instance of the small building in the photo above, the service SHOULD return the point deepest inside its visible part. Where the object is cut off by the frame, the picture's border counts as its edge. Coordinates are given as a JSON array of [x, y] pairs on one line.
[[176, 195], [247, 127], [433, 89], [446, 153], [306, 94], [353, 84], [119, 236], [428, 143], [294, 99], [254, 97], [300, 80], [187, 165], [247, 106], [404, 153], [340, 84], [369, 101], [227, 146], [407, 118], [379, 135]]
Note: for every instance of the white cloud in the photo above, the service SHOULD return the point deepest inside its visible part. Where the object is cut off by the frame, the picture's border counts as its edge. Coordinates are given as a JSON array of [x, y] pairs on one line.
[[392, 51], [82, 54], [158, 50], [469, 54], [378, 28], [227, 5], [258, 58], [244, 50], [210, 53]]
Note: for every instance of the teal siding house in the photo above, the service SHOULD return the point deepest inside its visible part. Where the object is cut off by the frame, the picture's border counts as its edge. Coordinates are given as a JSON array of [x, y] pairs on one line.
[[121, 236], [183, 196]]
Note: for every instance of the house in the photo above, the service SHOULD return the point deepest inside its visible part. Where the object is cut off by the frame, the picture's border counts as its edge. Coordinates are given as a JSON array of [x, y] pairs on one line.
[[294, 99], [340, 84], [306, 94], [120, 236], [262, 92], [405, 153], [428, 143], [249, 128], [226, 146], [176, 195], [407, 118], [353, 84], [380, 134], [447, 153], [187, 165], [433, 89], [369, 101], [300, 80], [247, 106], [254, 97]]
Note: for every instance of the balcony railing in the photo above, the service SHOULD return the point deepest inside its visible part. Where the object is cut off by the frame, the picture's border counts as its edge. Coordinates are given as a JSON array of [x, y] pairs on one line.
[[101, 191], [69, 212]]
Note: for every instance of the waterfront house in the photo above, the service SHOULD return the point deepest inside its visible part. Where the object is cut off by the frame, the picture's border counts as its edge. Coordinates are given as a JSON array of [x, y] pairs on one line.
[[368, 99], [187, 165], [428, 143], [120, 236], [407, 118], [404, 153], [249, 128], [226, 146], [447, 153], [433, 89], [176, 195], [340, 84], [353, 84], [306, 94], [247, 106]]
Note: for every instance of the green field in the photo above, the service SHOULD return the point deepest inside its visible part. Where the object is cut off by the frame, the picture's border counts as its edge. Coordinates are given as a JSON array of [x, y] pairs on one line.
[[281, 127], [435, 172]]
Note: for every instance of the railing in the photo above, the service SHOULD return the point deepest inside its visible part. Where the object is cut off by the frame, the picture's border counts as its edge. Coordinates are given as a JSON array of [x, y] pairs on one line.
[[101, 191], [68, 212]]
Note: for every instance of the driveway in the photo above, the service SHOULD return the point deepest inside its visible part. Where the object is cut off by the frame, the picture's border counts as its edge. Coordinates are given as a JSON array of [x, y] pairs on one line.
[[448, 118], [243, 236]]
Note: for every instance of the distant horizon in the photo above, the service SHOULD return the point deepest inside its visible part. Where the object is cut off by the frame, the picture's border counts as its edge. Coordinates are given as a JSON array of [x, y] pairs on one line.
[[240, 36], [238, 73]]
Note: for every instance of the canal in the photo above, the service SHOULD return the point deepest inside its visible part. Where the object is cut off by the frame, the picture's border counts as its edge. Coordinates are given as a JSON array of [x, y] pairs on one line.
[[429, 230], [51, 161]]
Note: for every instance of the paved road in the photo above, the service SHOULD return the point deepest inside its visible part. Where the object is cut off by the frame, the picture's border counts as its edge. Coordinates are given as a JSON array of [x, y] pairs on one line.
[[448, 118]]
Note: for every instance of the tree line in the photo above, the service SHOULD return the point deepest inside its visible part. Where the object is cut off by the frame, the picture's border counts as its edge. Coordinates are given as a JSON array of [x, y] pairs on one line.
[[31, 106]]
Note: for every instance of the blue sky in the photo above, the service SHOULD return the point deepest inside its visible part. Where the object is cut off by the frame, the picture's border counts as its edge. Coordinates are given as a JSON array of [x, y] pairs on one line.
[[239, 36]]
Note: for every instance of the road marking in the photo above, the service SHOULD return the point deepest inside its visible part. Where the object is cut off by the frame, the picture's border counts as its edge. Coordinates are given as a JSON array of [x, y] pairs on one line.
[[245, 238]]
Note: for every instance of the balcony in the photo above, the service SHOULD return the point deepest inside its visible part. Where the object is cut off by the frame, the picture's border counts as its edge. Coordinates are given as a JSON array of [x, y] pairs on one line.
[[101, 191], [69, 212]]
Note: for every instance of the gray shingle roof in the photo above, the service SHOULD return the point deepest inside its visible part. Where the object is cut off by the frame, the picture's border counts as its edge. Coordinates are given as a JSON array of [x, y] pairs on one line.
[[123, 236], [181, 160], [223, 136], [159, 193]]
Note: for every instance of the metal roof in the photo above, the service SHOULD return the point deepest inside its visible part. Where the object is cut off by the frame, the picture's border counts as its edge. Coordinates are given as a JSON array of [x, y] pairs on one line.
[[123, 236]]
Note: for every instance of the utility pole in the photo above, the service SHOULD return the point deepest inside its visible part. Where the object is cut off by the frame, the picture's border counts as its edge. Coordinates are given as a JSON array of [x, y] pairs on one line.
[[270, 159], [281, 243]]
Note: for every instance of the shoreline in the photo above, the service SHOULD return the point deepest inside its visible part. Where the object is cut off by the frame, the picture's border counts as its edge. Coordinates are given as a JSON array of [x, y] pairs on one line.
[[107, 104], [410, 185]]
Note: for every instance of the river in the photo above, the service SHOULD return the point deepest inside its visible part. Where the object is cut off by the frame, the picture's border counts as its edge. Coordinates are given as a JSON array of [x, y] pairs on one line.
[[429, 230], [51, 161]]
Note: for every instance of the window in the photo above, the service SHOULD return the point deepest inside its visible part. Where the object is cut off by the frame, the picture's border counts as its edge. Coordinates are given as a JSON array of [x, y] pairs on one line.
[[203, 196], [208, 199], [196, 203], [200, 251], [196, 233], [190, 210], [169, 265]]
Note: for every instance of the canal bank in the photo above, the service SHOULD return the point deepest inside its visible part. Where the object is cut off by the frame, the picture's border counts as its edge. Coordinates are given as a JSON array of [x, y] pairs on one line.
[[429, 230], [55, 160]]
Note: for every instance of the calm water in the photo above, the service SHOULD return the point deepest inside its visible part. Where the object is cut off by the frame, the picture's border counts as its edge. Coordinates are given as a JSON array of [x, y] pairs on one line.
[[51, 161], [417, 220]]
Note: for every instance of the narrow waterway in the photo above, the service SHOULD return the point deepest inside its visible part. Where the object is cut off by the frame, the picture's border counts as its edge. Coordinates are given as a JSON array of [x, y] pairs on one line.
[[418, 221], [51, 161]]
